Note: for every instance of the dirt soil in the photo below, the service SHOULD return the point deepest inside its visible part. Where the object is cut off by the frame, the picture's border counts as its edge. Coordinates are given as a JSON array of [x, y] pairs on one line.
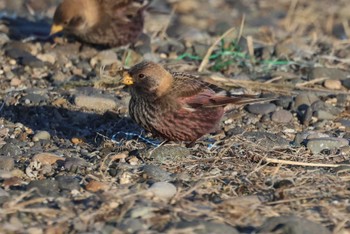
[[72, 161]]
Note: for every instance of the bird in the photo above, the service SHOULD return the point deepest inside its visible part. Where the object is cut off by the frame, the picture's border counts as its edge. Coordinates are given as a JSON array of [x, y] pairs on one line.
[[108, 23], [177, 106]]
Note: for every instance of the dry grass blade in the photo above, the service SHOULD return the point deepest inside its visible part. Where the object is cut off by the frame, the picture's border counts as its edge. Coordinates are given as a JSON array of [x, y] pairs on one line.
[[288, 162], [211, 49], [271, 87]]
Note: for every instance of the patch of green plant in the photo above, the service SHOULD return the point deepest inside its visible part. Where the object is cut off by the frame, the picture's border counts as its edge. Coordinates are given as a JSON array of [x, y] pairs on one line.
[[229, 54]]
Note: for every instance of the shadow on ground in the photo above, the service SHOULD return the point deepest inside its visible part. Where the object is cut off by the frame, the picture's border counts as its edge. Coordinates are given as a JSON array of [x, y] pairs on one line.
[[66, 124]]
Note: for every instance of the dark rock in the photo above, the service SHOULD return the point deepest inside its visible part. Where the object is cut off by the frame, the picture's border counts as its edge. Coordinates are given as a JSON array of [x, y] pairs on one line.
[[68, 183], [24, 57], [10, 149], [45, 187], [284, 101], [346, 83], [74, 164]]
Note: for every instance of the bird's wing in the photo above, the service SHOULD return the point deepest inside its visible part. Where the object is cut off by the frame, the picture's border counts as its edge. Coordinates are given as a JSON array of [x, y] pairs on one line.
[[124, 10], [194, 93]]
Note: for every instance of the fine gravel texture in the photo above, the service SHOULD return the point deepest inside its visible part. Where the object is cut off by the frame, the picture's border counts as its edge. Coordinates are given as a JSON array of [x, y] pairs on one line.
[[72, 160]]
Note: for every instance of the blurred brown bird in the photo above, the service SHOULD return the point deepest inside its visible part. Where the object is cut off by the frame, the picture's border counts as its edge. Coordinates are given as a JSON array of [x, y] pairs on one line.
[[176, 106], [100, 22]]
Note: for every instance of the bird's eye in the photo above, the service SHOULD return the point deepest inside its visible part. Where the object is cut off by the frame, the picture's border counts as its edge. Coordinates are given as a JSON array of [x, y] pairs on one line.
[[65, 22], [141, 76]]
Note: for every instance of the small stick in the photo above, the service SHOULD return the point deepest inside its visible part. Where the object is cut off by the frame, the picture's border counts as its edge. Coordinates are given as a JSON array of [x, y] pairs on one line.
[[314, 81], [288, 162]]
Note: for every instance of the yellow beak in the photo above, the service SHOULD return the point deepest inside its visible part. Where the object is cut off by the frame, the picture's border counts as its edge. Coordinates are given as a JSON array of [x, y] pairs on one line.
[[55, 28], [127, 79]]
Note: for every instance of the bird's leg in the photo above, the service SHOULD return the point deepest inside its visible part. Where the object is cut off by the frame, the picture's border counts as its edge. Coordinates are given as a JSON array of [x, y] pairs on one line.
[[191, 144]]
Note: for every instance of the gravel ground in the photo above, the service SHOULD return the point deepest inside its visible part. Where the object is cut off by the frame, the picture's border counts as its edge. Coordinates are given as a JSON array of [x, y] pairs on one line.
[[72, 161]]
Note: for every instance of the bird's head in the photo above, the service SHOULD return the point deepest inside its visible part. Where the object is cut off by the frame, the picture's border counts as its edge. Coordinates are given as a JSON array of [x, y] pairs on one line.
[[75, 16], [148, 78]]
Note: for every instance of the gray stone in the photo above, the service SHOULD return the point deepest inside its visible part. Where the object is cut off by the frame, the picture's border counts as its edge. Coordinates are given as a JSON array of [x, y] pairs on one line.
[[316, 145], [156, 173], [74, 164], [304, 99], [324, 115], [10, 149], [45, 187], [292, 225], [284, 101], [261, 108], [68, 183], [34, 98], [282, 116], [320, 105], [331, 73]]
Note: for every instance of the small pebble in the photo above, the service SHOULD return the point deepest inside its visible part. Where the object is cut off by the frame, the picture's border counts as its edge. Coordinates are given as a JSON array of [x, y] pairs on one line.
[[50, 58], [42, 135], [316, 145], [47, 158], [333, 84], [95, 186], [261, 108], [15, 82], [163, 190], [282, 116]]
